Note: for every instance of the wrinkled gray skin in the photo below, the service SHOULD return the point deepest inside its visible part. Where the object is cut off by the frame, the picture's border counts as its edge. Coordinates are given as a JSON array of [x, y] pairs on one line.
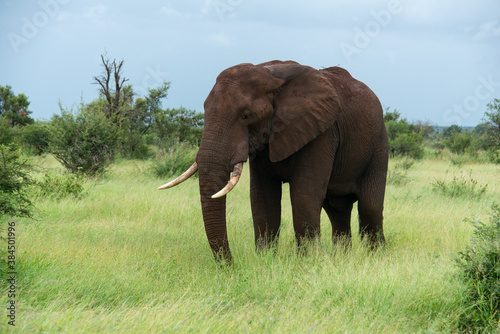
[[320, 131]]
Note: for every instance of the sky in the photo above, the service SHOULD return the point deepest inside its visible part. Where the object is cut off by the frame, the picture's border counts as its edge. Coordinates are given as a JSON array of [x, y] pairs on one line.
[[434, 61]]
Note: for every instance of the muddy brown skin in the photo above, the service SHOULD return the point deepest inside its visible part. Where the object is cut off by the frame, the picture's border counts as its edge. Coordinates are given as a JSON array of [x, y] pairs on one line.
[[322, 131]]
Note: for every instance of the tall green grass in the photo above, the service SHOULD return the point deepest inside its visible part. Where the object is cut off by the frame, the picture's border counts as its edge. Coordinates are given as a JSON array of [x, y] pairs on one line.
[[129, 258]]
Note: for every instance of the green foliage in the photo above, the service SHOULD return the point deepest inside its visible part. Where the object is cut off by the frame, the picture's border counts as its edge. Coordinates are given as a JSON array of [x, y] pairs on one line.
[[83, 142], [14, 182], [133, 145], [6, 133], [425, 128], [458, 142], [148, 109], [58, 185], [14, 107], [179, 124], [174, 160], [451, 130], [36, 137], [403, 138], [460, 186], [492, 117], [398, 175], [480, 269], [494, 156], [480, 138]]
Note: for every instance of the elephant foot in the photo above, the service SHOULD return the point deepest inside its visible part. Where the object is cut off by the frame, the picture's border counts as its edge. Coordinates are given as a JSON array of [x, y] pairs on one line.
[[342, 242], [374, 240]]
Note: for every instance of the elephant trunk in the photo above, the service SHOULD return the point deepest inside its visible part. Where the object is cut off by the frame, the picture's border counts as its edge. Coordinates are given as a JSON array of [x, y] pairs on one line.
[[213, 172]]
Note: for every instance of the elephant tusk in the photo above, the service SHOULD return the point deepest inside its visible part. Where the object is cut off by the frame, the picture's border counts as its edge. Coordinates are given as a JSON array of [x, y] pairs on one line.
[[232, 182], [184, 176]]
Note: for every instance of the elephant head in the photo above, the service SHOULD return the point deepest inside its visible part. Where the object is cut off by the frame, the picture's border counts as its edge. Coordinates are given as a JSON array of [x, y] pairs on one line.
[[276, 105]]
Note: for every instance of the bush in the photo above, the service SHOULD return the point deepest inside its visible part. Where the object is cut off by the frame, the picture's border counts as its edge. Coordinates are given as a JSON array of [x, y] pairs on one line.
[[84, 142], [462, 186], [404, 139], [181, 124], [6, 134], [134, 145], [458, 142], [494, 156], [56, 185], [407, 144], [14, 182], [36, 137], [480, 269], [175, 160]]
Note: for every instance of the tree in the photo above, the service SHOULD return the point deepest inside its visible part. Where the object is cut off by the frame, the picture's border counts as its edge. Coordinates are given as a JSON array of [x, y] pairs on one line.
[[425, 128], [112, 87], [14, 107], [492, 118], [14, 180], [403, 138], [36, 137], [451, 130], [83, 142], [148, 109], [459, 142], [179, 124]]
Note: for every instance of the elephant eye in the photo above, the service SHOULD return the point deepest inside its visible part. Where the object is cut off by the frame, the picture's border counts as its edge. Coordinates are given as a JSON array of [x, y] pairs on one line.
[[245, 116]]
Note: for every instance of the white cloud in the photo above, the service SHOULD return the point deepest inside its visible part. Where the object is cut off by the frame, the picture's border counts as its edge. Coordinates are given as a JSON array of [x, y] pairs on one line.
[[64, 16], [219, 39], [488, 29], [95, 12], [173, 13]]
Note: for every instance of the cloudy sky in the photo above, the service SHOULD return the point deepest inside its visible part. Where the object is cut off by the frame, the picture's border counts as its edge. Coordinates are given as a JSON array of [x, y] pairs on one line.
[[436, 61]]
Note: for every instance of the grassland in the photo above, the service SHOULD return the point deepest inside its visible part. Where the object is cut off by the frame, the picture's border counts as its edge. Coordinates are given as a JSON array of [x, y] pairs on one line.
[[126, 258]]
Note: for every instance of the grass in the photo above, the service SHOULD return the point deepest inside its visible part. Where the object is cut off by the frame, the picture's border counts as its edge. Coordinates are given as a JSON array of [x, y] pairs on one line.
[[128, 258]]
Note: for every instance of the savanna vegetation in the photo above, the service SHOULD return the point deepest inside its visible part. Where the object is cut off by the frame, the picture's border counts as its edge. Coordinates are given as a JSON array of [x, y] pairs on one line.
[[98, 249]]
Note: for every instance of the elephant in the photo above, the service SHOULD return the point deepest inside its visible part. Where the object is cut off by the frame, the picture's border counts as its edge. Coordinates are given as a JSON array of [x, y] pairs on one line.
[[321, 131]]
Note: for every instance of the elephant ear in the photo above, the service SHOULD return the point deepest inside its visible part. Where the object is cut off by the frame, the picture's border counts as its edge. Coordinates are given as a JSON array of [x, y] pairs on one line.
[[305, 106]]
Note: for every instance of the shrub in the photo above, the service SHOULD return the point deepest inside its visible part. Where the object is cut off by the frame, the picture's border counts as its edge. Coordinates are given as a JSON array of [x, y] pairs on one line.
[[175, 160], [181, 124], [463, 186], [404, 139], [480, 269], [14, 182], [84, 142], [134, 145], [407, 144], [6, 135], [458, 142], [36, 137], [494, 156], [56, 185]]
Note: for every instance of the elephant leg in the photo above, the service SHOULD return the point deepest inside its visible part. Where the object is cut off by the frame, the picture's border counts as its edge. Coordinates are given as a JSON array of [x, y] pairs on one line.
[[370, 207], [339, 212], [265, 197], [312, 169], [306, 210]]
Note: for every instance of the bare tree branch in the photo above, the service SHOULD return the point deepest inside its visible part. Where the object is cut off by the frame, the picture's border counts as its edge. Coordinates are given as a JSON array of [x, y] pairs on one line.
[[115, 98]]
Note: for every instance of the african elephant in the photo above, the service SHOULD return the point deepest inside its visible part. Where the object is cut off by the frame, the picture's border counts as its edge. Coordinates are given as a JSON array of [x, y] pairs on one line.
[[322, 131]]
